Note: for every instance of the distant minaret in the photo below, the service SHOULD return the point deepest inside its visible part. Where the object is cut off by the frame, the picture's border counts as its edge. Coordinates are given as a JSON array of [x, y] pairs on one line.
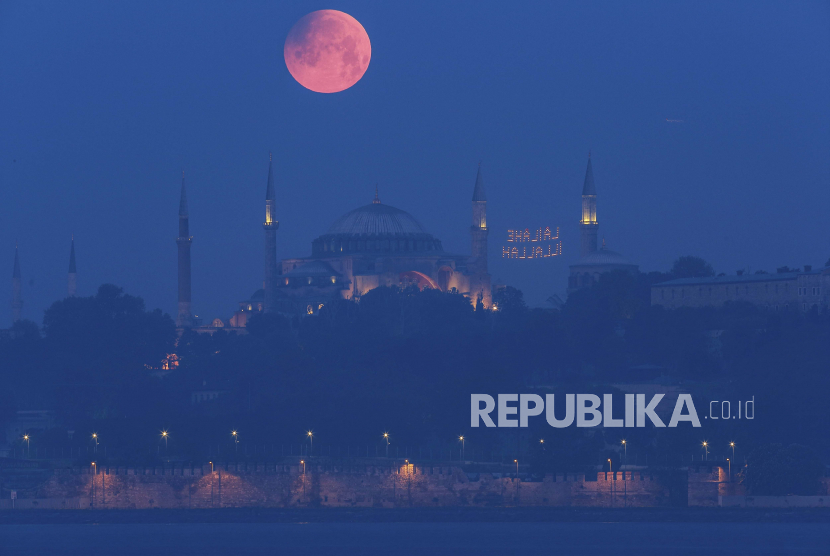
[[72, 278], [479, 230], [17, 290], [588, 225], [270, 226], [185, 316]]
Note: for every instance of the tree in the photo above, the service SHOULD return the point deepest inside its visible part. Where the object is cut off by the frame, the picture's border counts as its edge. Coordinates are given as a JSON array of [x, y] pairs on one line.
[[509, 301], [774, 470], [691, 267]]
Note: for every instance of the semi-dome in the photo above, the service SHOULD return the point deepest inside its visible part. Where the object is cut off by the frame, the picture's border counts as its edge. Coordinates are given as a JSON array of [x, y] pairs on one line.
[[375, 228]]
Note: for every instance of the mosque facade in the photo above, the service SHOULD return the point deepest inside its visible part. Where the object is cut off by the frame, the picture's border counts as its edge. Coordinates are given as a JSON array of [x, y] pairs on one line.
[[371, 246]]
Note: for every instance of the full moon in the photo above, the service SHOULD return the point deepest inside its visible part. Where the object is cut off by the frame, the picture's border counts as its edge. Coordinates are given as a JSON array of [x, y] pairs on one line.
[[327, 51]]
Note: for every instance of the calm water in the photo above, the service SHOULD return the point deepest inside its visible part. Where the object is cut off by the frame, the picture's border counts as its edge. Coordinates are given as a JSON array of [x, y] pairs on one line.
[[417, 538]]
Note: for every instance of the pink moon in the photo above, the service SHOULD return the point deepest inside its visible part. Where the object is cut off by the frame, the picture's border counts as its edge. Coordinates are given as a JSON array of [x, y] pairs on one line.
[[327, 51]]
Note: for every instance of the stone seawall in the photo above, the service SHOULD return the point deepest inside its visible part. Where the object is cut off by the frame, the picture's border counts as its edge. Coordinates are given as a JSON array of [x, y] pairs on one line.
[[406, 485]]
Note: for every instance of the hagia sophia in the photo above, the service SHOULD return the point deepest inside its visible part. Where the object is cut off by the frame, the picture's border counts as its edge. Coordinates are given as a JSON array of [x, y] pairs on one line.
[[370, 246], [380, 245]]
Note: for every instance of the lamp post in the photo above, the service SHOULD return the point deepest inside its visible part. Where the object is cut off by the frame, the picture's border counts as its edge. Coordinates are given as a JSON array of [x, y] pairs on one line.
[[461, 438], [625, 452], [28, 450], [95, 438], [164, 435], [310, 435], [517, 479], [303, 462], [706, 448], [386, 437], [611, 469], [729, 461], [732, 445], [235, 436]]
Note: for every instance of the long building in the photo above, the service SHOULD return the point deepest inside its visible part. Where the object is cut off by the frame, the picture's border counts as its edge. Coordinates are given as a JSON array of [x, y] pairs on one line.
[[802, 290]]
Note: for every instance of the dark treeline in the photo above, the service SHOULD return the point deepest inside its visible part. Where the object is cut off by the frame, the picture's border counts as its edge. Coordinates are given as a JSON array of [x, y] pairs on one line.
[[406, 362]]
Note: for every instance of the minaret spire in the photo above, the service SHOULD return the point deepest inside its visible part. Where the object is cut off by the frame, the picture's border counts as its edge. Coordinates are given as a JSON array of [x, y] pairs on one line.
[[588, 225], [17, 289], [478, 253], [184, 319], [270, 226], [72, 277]]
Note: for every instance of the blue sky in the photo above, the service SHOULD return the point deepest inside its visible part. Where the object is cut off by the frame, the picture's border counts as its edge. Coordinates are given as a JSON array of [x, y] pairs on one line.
[[103, 104]]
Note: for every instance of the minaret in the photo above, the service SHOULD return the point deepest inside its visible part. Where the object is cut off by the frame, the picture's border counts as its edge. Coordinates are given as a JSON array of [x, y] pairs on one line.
[[17, 290], [588, 225], [72, 278], [270, 226], [185, 316], [480, 287], [479, 230]]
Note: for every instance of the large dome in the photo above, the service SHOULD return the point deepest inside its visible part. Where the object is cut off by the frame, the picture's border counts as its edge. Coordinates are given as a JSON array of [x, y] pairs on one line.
[[376, 219], [375, 228]]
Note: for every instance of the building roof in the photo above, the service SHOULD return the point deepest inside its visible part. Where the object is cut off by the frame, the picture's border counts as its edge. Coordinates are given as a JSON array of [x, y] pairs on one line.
[[312, 269], [376, 219], [603, 257], [588, 187], [72, 269], [738, 279], [183, 199], [16, 269], [478, 191], [269, 190]]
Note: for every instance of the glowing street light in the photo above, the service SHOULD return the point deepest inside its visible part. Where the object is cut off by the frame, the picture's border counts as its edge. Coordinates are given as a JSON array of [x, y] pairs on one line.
[[386, 437], [165, 436], [211, 467], [706, 447], [625, 451], [461, 439], [732, 445], [310, 435], [730, 468], [95, 438], [28, 450], [235, 436]]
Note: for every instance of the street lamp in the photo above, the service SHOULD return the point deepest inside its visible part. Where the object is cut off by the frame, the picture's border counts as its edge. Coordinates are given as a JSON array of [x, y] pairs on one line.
[[211, 467], [517, 479], [461, 438], [310, 435], [164, 435], [730, 468], [28, 450], [95, 438], [303, 462], [386, 436], [625, 451], [706, 447], [732, 445]]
